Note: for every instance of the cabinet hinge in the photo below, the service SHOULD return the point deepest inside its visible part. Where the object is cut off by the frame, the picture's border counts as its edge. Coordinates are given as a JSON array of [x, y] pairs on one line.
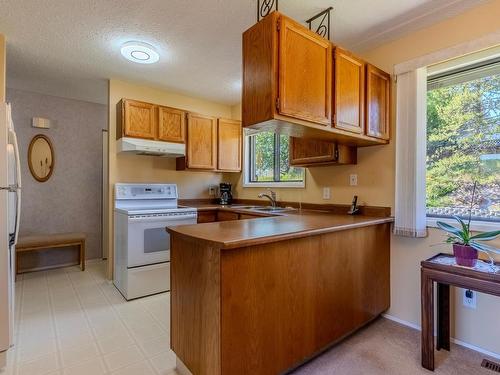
[[336, 153], [277, 104], [278, 25]]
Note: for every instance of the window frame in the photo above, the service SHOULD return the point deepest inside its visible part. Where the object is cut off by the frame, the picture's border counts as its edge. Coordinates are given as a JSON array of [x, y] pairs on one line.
[[476, 225], [248, 168]]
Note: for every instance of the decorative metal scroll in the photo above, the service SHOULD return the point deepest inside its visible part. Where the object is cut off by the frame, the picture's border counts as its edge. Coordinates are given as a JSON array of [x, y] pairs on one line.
[[323, 27], [264, 7]]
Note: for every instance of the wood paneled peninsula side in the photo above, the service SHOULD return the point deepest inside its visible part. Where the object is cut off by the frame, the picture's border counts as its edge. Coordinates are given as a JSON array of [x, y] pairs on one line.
[[264, 295]]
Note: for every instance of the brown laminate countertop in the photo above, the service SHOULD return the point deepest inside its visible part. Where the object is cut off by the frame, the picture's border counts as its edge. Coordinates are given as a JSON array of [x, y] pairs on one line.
[[278, 227]]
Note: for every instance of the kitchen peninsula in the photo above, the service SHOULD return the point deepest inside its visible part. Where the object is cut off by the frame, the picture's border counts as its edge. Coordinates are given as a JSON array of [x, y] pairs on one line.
[[263, 295]]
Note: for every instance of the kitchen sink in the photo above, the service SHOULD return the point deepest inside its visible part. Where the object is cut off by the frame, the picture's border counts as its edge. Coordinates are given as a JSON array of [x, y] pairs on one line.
[[273, 209]]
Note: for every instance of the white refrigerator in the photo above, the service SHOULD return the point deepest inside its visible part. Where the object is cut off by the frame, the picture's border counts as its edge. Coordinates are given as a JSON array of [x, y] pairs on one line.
[[10, 205]]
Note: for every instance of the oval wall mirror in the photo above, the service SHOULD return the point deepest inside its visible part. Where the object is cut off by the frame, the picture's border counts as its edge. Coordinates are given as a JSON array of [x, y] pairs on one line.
[[41, 158]]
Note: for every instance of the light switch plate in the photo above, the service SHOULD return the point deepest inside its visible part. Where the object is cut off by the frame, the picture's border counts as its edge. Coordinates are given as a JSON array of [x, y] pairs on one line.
[[212, 190], [327, 193], [353, 180]]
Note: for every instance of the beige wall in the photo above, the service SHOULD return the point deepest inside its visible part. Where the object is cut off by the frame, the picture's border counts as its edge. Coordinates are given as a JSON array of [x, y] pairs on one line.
[[2, 68], [375, 171], [136, 168]]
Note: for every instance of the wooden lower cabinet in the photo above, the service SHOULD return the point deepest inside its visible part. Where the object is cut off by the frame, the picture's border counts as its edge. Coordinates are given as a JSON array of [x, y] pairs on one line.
[[227, 216], [265, 309], [309, 153], [247, 216], [207, 216]]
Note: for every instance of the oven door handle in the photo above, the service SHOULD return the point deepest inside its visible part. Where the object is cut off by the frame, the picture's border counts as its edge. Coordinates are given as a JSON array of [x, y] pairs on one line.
[[167, 218]]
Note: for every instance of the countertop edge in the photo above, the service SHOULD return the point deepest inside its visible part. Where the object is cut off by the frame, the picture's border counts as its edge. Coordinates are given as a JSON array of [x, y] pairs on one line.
[[281, 237]]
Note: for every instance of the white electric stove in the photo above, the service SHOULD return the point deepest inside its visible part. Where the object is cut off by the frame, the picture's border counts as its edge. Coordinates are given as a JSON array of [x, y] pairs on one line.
[[142, 244]]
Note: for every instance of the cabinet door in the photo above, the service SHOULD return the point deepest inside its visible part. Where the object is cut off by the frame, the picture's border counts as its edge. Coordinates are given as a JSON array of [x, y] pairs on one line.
[[201, 142], [139, 119], [171, 125], [307, 151], [378, 86], [208, 216], [229, 145], [305, 69], [227, 216], [349, 87]]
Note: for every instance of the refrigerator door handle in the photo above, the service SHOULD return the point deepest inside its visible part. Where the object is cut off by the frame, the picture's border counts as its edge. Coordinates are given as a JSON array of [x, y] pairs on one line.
[[13, 141]]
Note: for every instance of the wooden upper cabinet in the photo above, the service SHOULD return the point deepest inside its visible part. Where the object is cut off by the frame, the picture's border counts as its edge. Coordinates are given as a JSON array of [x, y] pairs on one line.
[[139, 119], [201, 150], [229, 137], [349, 98], [171, 125], [309, 152], [300, 84], [378, 97], [305, 68], [306, 151]]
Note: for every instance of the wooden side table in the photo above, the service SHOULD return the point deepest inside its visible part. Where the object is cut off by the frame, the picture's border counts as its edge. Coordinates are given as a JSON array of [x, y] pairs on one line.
[[442, 270]]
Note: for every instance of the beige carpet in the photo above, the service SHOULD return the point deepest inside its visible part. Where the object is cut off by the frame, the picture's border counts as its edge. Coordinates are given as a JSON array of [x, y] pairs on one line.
[[385, 347]]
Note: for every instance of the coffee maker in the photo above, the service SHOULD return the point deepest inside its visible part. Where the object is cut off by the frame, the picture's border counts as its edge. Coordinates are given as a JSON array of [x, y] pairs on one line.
[[225, 195]]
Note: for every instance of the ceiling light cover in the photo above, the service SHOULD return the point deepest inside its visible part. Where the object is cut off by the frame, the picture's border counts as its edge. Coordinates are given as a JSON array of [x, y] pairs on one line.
[[140, 52]]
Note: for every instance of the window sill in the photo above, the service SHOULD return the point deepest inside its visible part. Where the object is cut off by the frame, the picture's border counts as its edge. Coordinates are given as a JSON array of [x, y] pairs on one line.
[[475, 226], [296, 185]]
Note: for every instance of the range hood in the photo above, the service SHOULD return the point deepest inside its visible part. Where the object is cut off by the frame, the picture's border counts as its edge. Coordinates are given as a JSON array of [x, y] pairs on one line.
[[153, 148]]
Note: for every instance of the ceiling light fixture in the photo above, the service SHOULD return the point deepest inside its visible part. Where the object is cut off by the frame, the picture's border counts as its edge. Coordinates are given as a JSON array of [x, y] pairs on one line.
[[140, 52]]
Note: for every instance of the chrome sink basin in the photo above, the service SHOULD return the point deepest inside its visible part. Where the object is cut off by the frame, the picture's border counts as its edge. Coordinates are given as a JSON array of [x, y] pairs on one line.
[[243, 207], [273, 209]]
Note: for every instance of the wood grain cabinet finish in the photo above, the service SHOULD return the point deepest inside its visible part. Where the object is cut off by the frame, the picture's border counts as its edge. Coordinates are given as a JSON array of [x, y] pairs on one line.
[[378, 97], [298, 83], [310, 153], [201, 148], [229, 147], [207, 216], [138, 119], [293, 299], [171, 125], [349, 97], [305, 63], [227, 216]]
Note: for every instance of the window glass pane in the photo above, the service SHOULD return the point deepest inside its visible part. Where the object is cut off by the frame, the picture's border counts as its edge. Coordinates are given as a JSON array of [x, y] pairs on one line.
[[263, 158], [463, 146], [288, 173]]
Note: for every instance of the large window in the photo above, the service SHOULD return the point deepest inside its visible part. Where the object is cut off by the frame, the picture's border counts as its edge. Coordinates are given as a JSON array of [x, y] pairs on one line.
[[268, 161], [463, 142]]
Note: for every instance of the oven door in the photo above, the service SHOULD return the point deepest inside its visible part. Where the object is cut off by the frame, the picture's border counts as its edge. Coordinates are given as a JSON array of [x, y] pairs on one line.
[[148, 241]]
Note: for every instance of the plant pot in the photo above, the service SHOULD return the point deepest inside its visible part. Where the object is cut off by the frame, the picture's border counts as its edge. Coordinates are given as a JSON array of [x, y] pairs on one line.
[[465, 255]]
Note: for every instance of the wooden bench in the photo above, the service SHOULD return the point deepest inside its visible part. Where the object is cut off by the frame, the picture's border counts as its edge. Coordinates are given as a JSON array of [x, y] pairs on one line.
[[50, 241]]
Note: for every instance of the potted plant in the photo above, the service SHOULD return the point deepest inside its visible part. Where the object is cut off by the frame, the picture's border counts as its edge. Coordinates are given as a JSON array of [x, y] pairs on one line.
[[465, 245]]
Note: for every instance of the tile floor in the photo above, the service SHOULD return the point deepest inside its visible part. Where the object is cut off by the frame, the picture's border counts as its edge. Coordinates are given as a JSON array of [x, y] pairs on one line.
[[73, 322]]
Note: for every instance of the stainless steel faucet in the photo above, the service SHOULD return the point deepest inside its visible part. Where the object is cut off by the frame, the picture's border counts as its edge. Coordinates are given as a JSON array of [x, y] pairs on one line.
[[271, 196]]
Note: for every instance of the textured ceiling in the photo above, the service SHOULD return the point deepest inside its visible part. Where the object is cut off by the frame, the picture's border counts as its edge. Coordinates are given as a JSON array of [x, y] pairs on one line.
[[71, 47]]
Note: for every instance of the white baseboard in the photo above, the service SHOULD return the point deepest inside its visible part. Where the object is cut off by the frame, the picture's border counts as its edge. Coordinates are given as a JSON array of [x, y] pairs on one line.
[[452, 339]]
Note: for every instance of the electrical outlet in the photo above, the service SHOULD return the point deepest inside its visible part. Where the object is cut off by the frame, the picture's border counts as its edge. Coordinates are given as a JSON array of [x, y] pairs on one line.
[[211, 190], [469, 298], [327, 193], [353, 180]]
